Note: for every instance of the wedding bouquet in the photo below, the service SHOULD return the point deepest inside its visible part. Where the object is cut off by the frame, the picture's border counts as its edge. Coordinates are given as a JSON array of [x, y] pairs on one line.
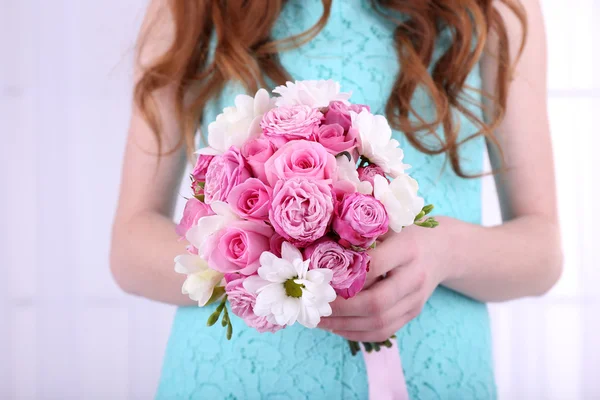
[[287, 198]]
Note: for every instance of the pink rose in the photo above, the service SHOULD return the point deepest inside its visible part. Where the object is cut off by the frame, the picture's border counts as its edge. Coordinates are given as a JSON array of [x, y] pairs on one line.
[[193, 211], [339, 113], [242, 304], [369, 172], [201, 167], [359, 220], [223, 174], [251, 199], [301, 210], [335, 139], [282, 124], [237, 247], [349, 267], [301, 159], [256, 152], [276, 242]]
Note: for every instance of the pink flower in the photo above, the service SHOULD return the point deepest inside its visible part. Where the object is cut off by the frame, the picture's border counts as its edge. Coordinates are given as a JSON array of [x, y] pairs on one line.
[[223, 174], [242, 304], [359, 220], [276, 242], [251, 199], [368, 173], [193, 211], [300, 159], [349, 267], [201, 167], [335, 139], [282, 124], [339, 113], [237, 247], [301, 210], [257, 152]]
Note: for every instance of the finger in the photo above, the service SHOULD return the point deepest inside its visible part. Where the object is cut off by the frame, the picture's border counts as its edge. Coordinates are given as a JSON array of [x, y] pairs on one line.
[[375, 300], [362, 324], [404, 313], [388, 255], [373, 322]]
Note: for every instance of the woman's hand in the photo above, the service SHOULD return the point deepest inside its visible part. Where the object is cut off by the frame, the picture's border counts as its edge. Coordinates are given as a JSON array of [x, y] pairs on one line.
[[412, 269]]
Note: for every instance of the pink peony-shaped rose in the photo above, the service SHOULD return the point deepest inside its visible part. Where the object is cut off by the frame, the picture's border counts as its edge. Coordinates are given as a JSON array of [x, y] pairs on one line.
[[224, 173], [359, 220], [368, 173], [282, 124], [238, 246], [256, 152], [202, 163], [339, 113], [300, 159], [335, 139], [251, 200], [242, 304], [301, 210], [193, 211], [349, 267], [276, 242]]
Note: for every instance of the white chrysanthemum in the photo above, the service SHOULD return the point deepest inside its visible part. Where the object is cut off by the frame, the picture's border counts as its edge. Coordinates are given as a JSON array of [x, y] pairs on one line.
[[346, 171], [311, 93], [236, 125], [199, 234], [375, 142], [399, 198], [201, 280], [287, 291]]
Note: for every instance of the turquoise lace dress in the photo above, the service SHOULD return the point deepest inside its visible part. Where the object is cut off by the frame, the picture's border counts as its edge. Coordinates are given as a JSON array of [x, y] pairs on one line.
[[446, 351]]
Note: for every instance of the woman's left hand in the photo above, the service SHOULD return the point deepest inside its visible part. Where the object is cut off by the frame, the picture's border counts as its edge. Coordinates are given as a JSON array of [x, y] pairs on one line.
[[412, 270]]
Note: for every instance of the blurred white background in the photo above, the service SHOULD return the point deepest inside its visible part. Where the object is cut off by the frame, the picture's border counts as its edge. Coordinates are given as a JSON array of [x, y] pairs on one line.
[[67, 332]]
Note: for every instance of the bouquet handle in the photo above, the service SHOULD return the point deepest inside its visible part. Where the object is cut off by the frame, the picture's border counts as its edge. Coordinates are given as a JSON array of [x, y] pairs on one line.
[[385, 374]]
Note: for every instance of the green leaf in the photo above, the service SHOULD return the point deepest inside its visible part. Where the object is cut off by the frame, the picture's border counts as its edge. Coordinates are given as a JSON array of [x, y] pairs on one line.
[[387, 343], [368, 346], [376, 346], [354, 347], [217, 293]]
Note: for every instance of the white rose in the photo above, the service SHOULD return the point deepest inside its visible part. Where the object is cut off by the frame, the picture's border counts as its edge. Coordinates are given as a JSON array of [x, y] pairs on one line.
[[236, 125], [310, 93], [399, 198], [346, 172], [199, 234], [375, 142]]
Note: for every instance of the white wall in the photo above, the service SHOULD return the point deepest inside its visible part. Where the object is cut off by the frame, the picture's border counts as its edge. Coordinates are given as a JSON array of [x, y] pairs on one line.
[[65, 329]]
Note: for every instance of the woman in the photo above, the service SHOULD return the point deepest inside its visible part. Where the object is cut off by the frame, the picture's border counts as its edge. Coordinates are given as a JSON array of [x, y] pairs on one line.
[[451, 77]]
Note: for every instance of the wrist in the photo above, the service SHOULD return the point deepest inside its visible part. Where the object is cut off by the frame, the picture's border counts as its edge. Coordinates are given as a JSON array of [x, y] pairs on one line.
[[453, 240]]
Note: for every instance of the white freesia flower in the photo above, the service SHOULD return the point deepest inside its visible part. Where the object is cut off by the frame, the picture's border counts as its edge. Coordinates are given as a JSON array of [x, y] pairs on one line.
[[375, 142], [199, 234], [236, 125], [399, 198], [311, 93], [346, 171], [287, 291], [201, 280]]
